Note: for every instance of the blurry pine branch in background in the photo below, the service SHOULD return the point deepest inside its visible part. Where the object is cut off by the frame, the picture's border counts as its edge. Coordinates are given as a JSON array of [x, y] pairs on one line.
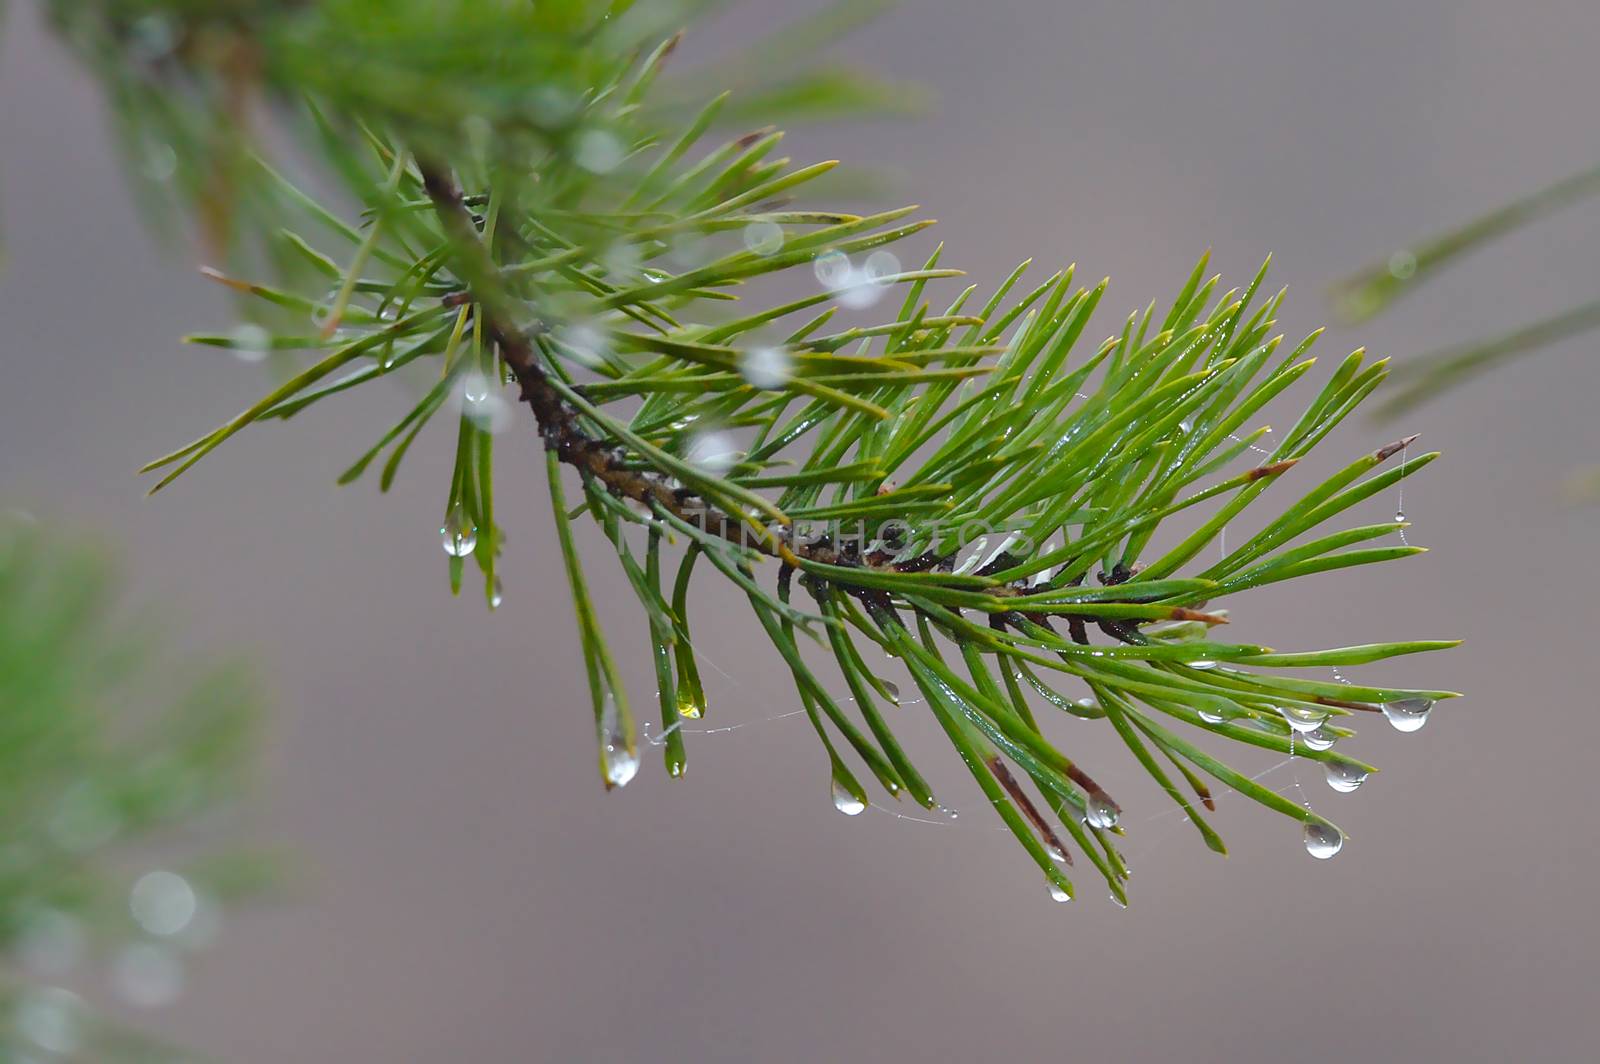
[[107, 755], [1377, 287], [536, 225]]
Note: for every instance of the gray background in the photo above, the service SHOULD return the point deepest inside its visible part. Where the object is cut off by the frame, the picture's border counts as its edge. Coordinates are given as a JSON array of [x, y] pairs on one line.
[[472, 893]]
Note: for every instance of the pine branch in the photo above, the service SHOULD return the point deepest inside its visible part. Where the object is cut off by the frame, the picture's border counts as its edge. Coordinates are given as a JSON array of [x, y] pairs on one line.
[[949, 483]]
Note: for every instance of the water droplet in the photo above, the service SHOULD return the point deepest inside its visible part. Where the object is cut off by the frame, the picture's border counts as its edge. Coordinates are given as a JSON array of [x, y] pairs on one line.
[[1056, 893], [763, 237], [1057, 854], [1301, 719], [948, 813], [51, 942], [845, 801], [766, 367], [583, 343], [1186, 426], [459, 537], [1343, 777], [251, 342], [688, 707], [162, 902], [622, 764], [1212, 718], [880, 266], [51, 1018], [598, 151], [497, 595], [1399, 516], [1408, 714], [1203, 663], [1402, 265], [833, 269], [474, 387], [893, 690], [160, 162], [389, 312], [1319, 739], [1118, 902], [714, 452], [1101, 812], [1322, 840], [84, 819], [147, 975]]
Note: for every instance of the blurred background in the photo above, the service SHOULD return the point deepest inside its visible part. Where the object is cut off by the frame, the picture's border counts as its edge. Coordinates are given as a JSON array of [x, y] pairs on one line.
[[469, 891]]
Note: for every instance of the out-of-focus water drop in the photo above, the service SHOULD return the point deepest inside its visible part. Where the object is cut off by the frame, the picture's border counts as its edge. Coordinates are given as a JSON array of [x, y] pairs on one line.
[[712, 451], [497, 594], [162, 902], [250, 342], [832, 269], [1322, 840], [147, 975], [1408, 714], [763, 237], [598, 151], [766, 367], [50, 1017], [51, 942], [1402, 265]]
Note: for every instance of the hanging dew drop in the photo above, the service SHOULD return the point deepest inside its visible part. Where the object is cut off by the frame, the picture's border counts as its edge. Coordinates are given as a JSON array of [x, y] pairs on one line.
[[1408, 714], [1322, 840], [893, 690], [1101, 812], [1056, 893], [622, 764], [475, 388], [1301, 719], [1342, 777], [846, 802], [458, 536], [1399, 515], [497, 595], [1057, 854], [1319, 739]]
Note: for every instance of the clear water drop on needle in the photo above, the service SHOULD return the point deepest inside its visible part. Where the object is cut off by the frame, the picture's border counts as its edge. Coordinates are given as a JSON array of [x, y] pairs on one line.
[[1203, 663], [1101, 812], [475, 387], [1301, 719], [1322, 840], [622, 764], [497, 595], [1056, 893], [846, 802], [1211, 718], [1319, 738], [1408, 714], [1399, 515], [1343, 777], [458, 536]]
